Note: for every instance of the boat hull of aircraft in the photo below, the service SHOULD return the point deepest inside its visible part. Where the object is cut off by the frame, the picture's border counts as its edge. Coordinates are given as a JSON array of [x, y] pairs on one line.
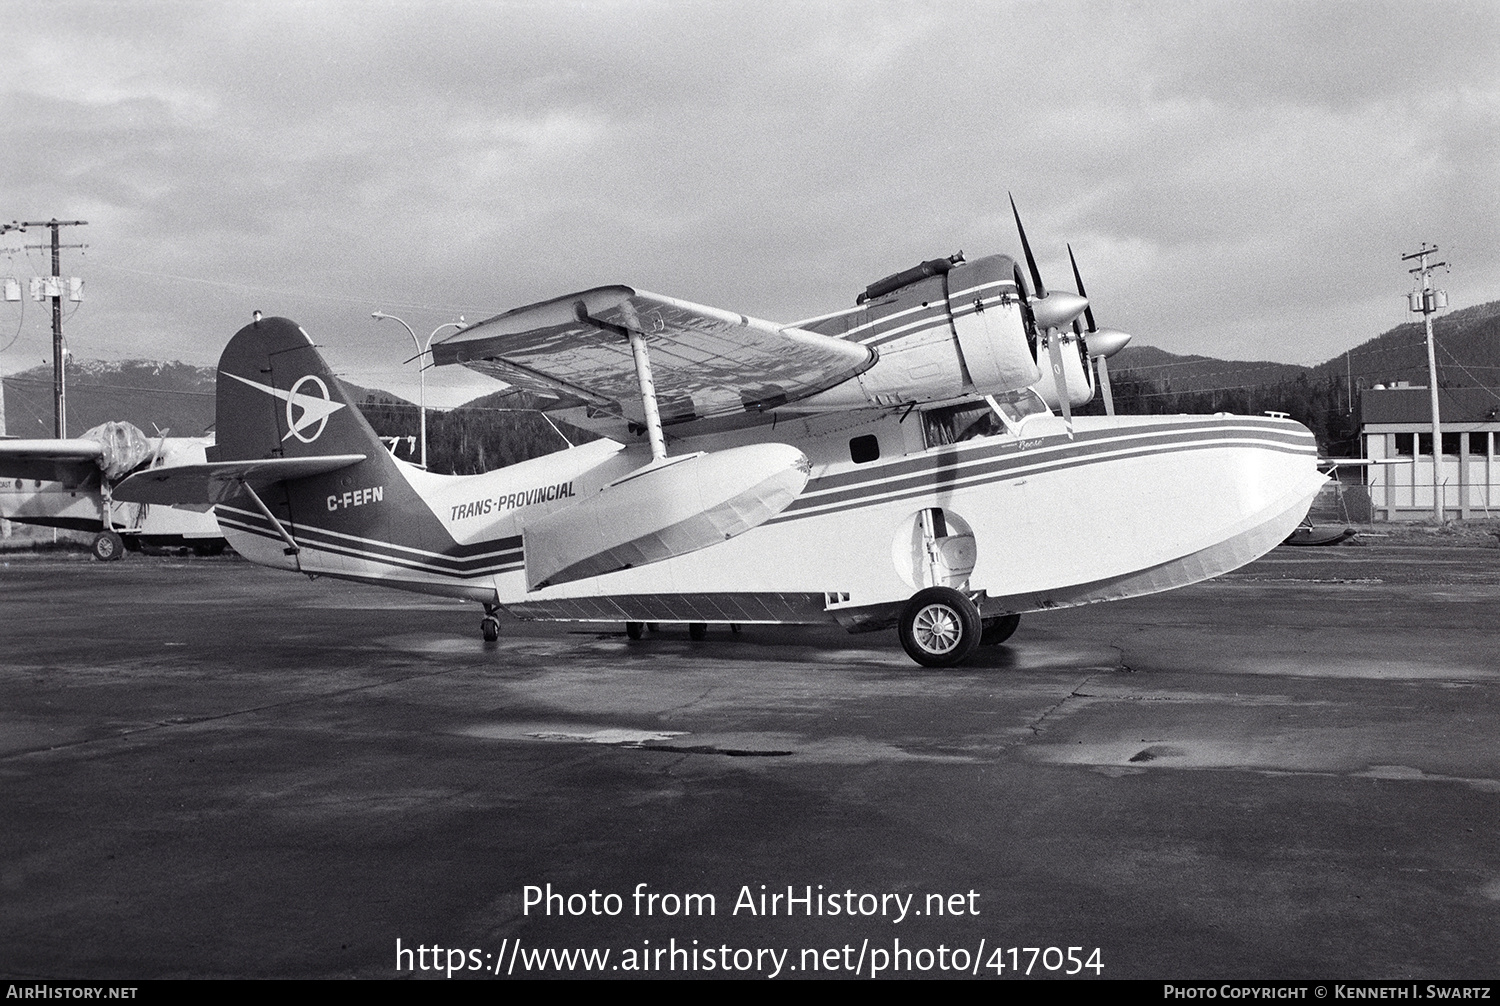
[[1127, 506]]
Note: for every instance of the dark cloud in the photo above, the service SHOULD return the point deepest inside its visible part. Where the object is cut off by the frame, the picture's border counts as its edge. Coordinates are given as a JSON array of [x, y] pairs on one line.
[[1237, 179]]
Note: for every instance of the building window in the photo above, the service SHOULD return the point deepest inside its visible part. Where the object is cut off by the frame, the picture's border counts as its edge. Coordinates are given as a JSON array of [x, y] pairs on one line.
[[1450, 444], [864, 449], [1403, 444], [1479, 443]]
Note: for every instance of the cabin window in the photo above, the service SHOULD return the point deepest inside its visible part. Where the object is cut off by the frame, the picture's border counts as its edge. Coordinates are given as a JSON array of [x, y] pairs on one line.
[[863, 450]]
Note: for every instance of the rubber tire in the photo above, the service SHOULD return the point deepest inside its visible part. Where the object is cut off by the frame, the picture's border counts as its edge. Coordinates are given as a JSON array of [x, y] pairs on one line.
[[998, 629], [697, 631], [635, 630], [108, 546], [489, 627], [950, 607]]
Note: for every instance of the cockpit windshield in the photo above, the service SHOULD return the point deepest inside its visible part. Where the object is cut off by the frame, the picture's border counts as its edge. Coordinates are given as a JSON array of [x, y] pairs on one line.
[[954, 424]]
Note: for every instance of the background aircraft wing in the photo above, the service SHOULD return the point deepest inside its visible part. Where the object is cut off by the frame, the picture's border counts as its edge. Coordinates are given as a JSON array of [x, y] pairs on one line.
[[705, 362], [219, 481], [69, 461]]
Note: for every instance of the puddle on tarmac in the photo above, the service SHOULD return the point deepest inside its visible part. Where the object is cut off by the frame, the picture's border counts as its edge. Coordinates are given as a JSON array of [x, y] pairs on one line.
[[1377, 670], [1407, 773], [1283, 755], [569, 733], [825, 750]]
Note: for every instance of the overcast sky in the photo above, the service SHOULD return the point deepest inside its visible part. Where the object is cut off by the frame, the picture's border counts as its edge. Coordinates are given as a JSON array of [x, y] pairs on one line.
[[1236, 179]]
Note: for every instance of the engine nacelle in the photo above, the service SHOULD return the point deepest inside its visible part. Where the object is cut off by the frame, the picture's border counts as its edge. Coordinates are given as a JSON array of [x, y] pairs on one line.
[[959, 332]]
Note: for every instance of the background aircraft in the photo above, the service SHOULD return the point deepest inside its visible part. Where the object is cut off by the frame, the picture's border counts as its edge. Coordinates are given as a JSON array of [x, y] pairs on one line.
[[69, 484]]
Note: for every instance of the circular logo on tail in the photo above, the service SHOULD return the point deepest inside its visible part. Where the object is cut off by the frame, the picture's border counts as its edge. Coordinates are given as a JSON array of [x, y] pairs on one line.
[[314, 409]]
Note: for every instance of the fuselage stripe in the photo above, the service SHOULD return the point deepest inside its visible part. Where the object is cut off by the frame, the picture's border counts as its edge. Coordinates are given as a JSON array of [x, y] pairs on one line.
[[377, 558], [971, 476]]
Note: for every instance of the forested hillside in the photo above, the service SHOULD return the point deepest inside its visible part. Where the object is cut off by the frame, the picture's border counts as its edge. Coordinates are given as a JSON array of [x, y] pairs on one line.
[[504, 428]]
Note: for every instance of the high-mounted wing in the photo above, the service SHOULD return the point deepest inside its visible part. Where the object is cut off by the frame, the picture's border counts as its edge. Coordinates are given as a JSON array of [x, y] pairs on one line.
[[705, 362], [72, 462]]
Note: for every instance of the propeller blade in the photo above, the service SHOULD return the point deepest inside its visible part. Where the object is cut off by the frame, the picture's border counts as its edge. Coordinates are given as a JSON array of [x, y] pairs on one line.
[[1060, 379], [1036, 275], [1023, 299], [1088, 313], [1109, 395]]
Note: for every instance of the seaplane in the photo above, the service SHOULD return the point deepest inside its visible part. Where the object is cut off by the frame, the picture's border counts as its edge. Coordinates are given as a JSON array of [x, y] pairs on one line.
[[912, 461]]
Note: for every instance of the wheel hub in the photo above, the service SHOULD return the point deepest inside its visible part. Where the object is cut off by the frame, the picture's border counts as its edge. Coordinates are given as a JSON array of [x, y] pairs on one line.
[[937, 628]]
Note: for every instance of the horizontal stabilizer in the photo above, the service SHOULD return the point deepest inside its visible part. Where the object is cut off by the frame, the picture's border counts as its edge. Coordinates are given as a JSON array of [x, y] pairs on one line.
[[220, 481]]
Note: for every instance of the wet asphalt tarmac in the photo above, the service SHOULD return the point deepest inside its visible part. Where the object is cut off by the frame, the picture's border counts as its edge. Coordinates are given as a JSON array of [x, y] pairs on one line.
[[209, 769]]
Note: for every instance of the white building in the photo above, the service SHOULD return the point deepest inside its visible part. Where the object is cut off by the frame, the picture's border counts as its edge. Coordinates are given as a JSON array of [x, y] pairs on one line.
[[1396, 425]]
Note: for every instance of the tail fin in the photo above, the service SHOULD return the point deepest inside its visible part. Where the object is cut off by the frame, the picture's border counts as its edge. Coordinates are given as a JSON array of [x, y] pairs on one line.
[[277, 398]]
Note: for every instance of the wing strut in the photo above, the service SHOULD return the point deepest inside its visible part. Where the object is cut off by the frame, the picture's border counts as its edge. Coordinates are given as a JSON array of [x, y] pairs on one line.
[[642, 358], [648, 394]]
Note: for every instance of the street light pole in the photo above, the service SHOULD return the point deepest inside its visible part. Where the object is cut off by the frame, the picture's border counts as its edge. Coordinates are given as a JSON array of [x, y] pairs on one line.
[[422, 351]]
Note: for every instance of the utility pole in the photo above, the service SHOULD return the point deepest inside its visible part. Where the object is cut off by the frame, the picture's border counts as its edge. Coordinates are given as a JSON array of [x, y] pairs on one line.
[[1426, 301], [59, 385]]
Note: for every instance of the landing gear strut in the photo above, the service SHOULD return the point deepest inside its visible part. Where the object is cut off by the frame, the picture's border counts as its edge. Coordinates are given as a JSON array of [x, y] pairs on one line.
[[489, 626]]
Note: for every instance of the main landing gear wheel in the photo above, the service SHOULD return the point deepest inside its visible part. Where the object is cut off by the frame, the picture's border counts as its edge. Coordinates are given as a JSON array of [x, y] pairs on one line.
[[939, 627], [489, 626], [998, 630], [108, 546], [635, 630], [697, 631]]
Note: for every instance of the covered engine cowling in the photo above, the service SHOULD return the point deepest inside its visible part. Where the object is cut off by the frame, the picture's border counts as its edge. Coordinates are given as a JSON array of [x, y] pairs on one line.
[[987, 320], [945, 333], [668, 508]]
